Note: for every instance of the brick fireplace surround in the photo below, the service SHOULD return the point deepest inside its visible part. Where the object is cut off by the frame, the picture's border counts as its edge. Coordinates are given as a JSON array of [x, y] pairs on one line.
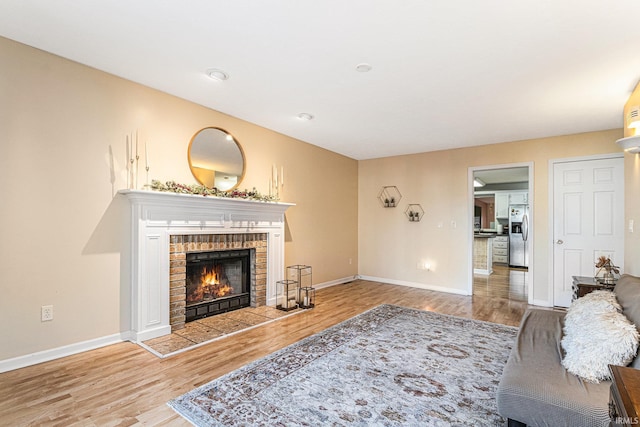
[[180, 245], [165, 226]]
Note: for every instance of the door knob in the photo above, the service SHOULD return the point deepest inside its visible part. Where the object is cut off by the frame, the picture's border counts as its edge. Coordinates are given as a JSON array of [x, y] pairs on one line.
[[559, 241]]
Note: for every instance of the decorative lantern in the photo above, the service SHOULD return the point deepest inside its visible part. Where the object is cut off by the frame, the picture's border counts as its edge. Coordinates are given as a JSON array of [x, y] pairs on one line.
[[301, 274], [286, 293], [307, 297]]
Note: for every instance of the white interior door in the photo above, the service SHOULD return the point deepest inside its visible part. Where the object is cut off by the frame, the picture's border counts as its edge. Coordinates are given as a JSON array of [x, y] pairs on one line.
[[588, 220]]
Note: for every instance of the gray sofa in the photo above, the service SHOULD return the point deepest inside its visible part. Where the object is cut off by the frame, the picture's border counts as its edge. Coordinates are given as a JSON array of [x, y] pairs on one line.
[[536, 390]]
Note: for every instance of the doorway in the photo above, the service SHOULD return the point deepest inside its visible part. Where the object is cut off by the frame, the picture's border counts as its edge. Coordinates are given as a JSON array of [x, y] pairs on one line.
[[501, 239]]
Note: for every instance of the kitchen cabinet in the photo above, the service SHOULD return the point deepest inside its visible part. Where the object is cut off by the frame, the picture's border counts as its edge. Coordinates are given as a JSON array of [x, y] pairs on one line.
[[500, 249], [502, 204], [519, 198], [506, 198]]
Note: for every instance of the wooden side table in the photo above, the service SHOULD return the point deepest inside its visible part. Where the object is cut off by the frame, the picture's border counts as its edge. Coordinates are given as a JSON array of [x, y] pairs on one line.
[[624, 396], [582, 285]]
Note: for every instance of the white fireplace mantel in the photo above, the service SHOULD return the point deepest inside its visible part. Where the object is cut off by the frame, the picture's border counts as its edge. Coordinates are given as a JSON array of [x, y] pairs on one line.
[[155, 216]]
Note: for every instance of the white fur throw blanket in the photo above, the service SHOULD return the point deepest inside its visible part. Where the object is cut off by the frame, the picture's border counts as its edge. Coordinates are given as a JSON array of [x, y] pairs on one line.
[[597, 334]]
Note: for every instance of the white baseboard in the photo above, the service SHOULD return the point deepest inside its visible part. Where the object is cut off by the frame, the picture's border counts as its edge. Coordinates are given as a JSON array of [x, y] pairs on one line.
[[416, 285], [334, 282], [148, 334], [68, 350], [56, 353], [542, 303]]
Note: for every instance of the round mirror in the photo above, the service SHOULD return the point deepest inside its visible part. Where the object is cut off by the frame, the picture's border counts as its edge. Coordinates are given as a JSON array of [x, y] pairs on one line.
[[216, 159]]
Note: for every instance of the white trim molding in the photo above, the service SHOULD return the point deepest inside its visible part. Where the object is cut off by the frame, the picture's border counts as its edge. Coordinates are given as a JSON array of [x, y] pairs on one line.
[[56, 353], [335, 282], [416, 285]]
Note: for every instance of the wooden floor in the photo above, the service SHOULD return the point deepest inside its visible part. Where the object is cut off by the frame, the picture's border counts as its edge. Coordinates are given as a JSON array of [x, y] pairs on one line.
[[125, 385], [504, 282]]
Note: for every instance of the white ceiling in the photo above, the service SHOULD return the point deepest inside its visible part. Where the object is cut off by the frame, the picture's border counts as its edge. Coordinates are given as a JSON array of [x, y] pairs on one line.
[[446, 73]]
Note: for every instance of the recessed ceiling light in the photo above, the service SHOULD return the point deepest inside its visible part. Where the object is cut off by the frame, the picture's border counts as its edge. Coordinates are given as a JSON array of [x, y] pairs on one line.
[[305, 116], [217, 74], [364, 67]]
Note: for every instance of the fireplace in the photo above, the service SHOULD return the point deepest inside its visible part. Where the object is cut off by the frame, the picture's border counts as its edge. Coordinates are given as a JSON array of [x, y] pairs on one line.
[[217, 282], [165, 227], [211, 252]]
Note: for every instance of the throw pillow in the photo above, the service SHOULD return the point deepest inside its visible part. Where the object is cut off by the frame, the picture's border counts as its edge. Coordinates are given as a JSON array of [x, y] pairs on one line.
[[597, 334]]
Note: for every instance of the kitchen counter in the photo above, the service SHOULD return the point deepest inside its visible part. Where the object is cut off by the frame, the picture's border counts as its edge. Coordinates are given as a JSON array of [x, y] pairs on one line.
[[484, 235], [483, 253]]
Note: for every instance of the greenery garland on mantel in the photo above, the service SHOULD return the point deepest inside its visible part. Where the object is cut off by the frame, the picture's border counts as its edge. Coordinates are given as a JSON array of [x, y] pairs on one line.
[[174, 187]]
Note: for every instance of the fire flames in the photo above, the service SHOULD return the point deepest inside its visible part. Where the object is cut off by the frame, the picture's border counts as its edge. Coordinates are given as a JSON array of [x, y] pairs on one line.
[[213, 284]]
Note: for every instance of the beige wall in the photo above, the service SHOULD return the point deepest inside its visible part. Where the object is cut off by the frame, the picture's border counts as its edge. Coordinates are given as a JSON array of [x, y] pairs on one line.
[[61, 231], [632, 196], [60, 122], [390, 247]]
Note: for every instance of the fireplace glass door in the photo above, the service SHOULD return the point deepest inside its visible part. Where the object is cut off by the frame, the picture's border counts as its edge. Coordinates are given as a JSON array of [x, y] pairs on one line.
[[216, 282]]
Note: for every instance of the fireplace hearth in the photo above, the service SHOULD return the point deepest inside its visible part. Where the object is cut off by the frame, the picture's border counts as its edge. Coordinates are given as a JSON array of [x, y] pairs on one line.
[[217, 282]]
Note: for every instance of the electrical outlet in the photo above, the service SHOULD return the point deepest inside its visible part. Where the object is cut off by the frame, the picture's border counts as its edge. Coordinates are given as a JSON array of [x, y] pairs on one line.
[[46, 313]]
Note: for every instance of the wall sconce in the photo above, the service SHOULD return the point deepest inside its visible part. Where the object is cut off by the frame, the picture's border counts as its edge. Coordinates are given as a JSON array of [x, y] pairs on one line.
[[631, 144]]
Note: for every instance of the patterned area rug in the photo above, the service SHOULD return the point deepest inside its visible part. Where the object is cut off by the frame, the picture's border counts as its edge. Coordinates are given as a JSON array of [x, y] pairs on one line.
[[389, 366]]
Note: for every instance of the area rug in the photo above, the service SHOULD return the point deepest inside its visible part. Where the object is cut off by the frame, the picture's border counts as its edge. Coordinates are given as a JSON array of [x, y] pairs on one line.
[[389, 366]]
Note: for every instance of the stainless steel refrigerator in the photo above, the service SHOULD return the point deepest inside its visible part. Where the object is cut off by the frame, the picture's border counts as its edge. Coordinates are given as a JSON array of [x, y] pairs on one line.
[[518, 235]]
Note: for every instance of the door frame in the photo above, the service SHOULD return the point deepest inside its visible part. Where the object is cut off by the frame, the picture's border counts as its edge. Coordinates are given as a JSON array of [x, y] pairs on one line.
[[530, 241], [551, 196]]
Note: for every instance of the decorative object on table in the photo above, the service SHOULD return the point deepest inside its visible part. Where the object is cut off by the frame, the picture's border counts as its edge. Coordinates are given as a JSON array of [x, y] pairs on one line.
[[174, 187], [286, 295], [302, 274], [389, 196], [307, 297], [610, 270], [414, 212], [388, 366]]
